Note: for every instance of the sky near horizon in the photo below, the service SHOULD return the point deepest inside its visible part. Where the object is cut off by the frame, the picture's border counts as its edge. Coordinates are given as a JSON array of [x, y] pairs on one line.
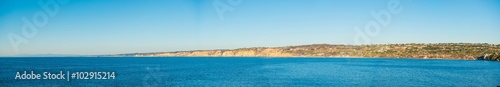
[[95, 27]]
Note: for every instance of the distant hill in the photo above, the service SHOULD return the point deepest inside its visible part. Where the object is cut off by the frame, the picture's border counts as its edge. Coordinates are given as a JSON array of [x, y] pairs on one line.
[[414, 50]]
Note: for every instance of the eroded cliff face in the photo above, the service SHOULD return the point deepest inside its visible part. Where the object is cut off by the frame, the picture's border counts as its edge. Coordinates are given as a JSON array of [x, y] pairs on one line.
[[264, 52], [441, 50]]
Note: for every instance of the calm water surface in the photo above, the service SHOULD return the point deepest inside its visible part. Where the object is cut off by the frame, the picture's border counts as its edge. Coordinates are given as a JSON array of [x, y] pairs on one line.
[[235, 71]]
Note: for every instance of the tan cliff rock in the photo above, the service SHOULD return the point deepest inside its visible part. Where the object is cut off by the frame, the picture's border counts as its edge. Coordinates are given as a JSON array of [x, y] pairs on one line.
[[267, 52]]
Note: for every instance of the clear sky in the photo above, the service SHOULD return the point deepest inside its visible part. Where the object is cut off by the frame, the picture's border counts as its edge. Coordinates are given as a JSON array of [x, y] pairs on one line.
[[92, 27]]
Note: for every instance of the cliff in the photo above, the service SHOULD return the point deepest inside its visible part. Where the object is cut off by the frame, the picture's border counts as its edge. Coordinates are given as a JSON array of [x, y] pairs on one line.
[[491, 57], [438, 50]]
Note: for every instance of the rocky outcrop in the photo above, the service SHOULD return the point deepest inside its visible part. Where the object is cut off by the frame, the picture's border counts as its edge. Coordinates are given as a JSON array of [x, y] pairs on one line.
[[491, 57]]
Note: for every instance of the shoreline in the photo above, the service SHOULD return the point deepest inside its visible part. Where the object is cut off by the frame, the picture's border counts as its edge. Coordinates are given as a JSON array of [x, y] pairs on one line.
[[354, 57], [312, 57]]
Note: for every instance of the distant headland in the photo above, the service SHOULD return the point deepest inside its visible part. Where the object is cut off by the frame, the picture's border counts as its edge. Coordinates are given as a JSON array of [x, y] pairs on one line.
[[466, 51]]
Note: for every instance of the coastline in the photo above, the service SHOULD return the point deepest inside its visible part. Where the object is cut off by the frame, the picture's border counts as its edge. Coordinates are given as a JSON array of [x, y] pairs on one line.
[[270, 57], [292, 57], [455, 51]]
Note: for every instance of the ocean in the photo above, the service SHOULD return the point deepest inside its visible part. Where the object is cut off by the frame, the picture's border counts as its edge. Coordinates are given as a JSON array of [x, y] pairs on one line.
[[251, 71]]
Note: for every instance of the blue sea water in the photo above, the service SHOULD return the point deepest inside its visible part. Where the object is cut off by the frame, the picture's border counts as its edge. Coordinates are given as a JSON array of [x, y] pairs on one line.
[[257, 71]]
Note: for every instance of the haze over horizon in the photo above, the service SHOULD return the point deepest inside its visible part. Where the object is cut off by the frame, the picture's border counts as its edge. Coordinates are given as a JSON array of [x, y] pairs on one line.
[[95, 27]]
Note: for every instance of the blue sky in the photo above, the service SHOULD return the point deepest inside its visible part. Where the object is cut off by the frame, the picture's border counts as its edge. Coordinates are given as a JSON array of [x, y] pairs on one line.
[[91, 27]]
